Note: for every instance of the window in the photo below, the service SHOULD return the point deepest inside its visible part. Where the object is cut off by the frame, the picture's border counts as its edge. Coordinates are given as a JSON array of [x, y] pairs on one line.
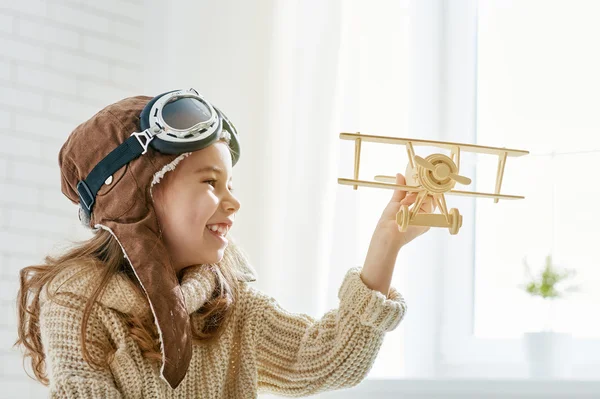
[[495, 73], [520, 75], [537, 89]]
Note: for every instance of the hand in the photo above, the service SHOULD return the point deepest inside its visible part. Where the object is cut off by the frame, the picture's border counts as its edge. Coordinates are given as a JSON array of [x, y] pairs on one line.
[[387, 225], [388, 239]]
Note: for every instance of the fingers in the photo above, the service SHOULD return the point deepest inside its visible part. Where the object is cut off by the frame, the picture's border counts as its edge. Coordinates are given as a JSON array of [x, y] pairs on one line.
[[428, 205], [409, 199], [399, 194]]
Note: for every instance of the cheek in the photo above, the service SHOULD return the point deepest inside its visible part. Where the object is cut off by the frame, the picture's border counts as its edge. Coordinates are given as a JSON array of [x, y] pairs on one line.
[[185, 215], [198, 209]]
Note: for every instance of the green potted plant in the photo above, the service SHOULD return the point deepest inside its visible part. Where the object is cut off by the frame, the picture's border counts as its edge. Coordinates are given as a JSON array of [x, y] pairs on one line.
[[548, 352]]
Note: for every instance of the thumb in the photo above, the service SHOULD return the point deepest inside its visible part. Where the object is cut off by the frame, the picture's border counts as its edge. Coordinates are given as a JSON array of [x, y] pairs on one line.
[[399, 194]]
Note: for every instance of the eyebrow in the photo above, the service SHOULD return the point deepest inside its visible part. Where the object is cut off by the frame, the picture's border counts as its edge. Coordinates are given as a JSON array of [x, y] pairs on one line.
[[212, 168]]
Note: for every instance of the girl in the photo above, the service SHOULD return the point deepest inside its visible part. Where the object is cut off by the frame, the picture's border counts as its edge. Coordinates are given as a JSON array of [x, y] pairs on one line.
[[157, 304]]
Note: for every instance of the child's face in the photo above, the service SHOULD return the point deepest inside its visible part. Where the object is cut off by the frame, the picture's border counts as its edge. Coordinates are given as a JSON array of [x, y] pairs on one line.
[[188, 200]]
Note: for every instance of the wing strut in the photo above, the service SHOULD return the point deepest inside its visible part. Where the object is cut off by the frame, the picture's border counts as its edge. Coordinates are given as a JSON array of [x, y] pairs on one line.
[[500, 173], [357, 144], [456, 158], [411, 154]]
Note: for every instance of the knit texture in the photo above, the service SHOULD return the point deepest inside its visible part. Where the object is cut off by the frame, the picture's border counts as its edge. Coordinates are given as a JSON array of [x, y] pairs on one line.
[[264, 349]]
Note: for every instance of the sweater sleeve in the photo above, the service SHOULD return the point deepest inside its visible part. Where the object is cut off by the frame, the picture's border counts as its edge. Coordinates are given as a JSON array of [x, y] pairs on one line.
[[300, 356], [69, 374]]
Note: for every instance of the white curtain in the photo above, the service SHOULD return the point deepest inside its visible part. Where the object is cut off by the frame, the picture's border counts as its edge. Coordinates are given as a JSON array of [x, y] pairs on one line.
[[273, 67], [292, 75]]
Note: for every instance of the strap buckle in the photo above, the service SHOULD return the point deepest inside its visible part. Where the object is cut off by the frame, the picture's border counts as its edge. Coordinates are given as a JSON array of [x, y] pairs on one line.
[[140, 136], [85, 195]]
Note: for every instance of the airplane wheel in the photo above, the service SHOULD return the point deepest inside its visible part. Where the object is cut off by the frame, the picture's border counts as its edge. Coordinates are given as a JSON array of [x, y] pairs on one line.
[[402, 218], [455, 221]]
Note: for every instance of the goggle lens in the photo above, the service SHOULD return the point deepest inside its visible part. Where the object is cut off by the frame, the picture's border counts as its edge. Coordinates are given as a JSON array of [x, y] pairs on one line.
[[185, 112]]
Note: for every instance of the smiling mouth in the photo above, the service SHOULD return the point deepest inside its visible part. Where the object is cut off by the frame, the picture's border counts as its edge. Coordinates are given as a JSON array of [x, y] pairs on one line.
[[220, 229], [218, 235]]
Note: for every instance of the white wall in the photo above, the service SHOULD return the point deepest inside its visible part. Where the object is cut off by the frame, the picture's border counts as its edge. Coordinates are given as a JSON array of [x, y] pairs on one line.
[[60, 62]]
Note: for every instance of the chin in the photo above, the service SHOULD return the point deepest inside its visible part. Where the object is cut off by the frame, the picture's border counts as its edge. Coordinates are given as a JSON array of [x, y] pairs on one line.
[[217, 258]]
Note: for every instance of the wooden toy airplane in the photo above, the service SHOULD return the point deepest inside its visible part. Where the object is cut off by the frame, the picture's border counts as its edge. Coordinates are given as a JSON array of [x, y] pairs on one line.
[[434, 175]]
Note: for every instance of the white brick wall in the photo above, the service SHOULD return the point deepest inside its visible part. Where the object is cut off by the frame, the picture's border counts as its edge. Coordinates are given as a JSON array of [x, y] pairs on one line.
[[60, 62]]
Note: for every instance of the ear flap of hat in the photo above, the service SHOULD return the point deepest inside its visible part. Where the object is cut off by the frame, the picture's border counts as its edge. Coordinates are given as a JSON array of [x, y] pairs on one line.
[[148, 257]]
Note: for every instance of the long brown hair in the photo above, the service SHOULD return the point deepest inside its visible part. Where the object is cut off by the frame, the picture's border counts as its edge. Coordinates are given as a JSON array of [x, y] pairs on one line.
[[103, 253]]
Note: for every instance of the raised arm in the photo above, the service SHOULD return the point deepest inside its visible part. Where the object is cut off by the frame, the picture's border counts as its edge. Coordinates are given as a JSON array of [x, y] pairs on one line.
[[300, 356]]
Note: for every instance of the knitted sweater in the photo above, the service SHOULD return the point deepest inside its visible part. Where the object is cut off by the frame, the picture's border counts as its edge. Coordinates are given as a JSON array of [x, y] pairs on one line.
[[263, 349]]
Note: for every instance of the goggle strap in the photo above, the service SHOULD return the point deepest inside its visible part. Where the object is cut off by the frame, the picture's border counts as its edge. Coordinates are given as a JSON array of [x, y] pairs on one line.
[[126, 152]]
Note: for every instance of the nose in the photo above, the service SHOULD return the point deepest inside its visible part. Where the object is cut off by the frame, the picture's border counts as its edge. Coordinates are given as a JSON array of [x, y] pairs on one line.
[[231, 203]]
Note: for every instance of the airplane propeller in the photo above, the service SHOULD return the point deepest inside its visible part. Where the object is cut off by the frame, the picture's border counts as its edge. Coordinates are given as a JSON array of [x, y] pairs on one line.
[[424, 163], [429, 166], [460, 179]]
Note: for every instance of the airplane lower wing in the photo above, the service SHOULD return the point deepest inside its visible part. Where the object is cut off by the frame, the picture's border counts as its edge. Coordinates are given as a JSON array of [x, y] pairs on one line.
[[484, 195], [383, 178], [415, 189], [366, 183]]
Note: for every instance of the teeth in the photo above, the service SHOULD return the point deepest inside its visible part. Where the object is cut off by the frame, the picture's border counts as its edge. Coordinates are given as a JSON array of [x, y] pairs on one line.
[[222, 230]]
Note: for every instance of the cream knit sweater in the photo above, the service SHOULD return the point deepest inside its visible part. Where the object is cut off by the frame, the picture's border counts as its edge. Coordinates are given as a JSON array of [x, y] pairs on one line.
[[264, 349]]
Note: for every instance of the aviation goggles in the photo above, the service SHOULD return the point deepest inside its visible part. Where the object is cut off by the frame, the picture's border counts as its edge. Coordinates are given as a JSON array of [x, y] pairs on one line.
[[172, 123]]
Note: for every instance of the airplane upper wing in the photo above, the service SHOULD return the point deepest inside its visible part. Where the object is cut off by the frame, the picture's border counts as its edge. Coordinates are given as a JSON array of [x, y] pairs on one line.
[[443, 144]]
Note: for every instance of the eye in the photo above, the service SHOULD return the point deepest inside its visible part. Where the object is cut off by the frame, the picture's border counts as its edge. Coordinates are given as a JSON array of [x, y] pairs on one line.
[[213, 181]]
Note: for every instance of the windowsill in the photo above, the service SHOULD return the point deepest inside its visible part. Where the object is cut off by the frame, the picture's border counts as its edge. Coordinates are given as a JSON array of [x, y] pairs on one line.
[[474, 387]]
